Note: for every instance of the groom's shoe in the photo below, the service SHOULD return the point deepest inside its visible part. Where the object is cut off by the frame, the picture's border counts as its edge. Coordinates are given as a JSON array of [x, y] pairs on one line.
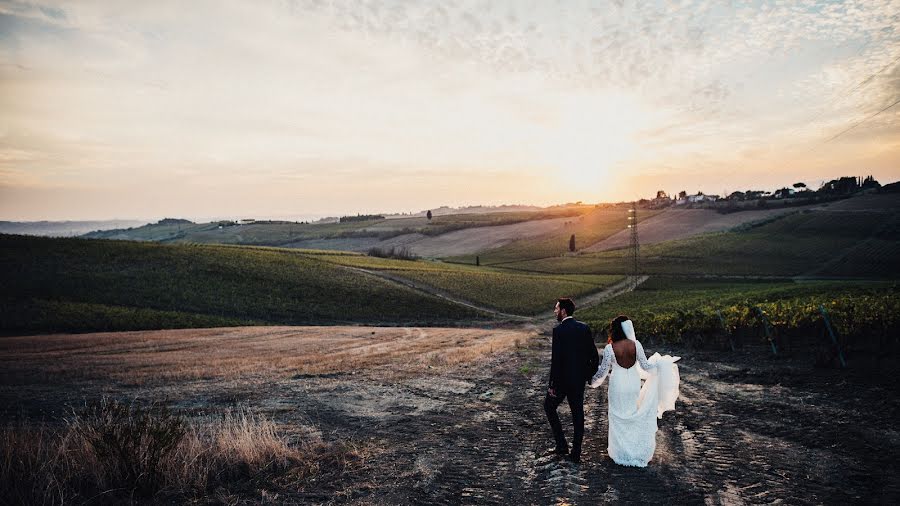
[[559, 451], [574, 458]]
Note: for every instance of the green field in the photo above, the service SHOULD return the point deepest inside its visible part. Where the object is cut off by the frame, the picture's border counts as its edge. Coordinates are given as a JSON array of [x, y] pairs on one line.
[[448, 223], [822, 243], [677, 309], [83, 285], [252, 234], [281, 233], [508, 291], [588, 229]]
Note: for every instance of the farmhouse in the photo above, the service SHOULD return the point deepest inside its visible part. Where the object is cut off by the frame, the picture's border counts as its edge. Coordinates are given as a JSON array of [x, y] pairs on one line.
[[662, 200], [695, 199], [785, 193]]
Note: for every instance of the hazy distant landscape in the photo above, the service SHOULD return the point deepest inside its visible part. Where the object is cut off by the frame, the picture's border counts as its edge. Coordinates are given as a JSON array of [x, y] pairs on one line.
[[64, 228]]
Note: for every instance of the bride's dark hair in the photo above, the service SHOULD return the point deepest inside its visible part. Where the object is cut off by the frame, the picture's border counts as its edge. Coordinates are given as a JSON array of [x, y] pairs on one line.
[[615, 329]]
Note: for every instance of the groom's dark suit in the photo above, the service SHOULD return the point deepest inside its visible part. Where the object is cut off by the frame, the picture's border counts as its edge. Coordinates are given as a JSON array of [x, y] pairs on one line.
[[574, 360]]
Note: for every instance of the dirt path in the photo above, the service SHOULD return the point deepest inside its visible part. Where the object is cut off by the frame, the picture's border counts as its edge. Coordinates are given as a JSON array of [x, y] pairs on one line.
[[742, 433], [430, 290], [614, 290], [626, 285]]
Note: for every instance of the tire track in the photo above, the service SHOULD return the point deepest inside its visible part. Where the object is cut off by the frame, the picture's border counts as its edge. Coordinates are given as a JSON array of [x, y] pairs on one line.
[[624, 286], [729, 441], [423, 288]]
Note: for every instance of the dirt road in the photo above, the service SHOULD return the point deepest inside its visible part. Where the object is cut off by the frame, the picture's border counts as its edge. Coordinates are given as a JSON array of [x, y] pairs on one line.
[[742, 434]]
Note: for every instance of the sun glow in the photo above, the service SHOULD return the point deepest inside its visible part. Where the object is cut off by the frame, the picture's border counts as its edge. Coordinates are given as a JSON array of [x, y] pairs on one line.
[[592, 133]]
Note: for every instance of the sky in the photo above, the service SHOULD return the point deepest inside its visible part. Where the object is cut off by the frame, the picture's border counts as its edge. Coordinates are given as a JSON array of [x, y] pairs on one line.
[[213, 109]]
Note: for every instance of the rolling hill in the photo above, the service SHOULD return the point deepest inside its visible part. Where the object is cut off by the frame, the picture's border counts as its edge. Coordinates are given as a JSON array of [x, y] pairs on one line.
[[858, 237], [355, 235], [83, 285]]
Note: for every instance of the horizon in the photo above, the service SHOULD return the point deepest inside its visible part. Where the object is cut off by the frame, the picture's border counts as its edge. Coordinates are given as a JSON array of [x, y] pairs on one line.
[[302, 109], [313, 217]]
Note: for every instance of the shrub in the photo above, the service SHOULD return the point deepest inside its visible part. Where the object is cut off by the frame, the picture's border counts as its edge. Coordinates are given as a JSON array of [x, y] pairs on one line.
[[401, 253], [130, 443]]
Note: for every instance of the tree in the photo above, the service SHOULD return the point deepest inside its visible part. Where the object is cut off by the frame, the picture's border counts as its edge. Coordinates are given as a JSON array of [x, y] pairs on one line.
[[842, 186], [870, 182], [682, 195], [572, 243], [799, 185], [428, 215], [784, 193]]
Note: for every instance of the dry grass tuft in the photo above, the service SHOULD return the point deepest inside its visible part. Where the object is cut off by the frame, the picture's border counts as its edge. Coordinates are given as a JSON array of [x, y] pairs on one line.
[[110, 453]]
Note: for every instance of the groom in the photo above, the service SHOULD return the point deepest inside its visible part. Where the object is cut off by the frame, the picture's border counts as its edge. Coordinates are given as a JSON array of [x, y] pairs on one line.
[[574, 360]]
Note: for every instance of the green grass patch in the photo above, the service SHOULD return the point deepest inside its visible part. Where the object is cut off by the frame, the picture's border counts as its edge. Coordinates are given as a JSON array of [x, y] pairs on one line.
[[504, 290], [169, 286], [525, 294]]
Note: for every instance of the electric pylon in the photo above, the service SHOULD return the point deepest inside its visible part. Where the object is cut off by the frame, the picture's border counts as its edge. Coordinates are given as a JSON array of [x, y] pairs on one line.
[[635, 244]]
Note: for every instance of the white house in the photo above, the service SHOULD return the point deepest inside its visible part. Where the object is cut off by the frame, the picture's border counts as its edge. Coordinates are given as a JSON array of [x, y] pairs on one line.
[[700, 197]]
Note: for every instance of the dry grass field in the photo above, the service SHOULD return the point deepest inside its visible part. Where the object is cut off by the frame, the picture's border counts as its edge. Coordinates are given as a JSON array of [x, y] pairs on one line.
[[245, 430], [249, 355]]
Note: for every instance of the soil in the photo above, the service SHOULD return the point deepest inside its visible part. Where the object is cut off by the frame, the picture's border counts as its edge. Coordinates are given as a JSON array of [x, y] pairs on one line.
[[459, 242], [748, 428], [472, 240]]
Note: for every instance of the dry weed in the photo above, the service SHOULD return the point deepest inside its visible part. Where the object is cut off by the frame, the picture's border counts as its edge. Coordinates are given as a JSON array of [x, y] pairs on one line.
[[111, 453]]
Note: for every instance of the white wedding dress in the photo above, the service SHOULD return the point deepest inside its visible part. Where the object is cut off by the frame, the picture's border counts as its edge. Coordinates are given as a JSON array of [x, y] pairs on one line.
[[633, 409]]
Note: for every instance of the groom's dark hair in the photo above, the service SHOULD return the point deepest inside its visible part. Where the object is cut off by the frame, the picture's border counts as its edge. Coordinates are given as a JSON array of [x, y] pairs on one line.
[[567, 304]]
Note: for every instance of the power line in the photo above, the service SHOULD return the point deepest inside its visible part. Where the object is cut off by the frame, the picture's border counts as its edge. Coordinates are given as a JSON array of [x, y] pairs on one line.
[[843, 95], [866, 80], [846, 93], [863, 121], [635, 244]]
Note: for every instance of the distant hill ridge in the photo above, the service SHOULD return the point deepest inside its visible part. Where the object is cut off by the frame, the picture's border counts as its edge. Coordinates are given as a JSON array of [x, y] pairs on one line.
[[64, 228]]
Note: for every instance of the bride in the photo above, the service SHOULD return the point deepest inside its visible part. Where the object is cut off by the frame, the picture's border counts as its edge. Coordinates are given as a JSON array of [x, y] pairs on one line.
[[633, 409]]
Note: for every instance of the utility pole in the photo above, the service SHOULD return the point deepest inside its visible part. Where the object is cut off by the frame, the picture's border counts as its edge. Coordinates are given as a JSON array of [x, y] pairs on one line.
[[635, 244]]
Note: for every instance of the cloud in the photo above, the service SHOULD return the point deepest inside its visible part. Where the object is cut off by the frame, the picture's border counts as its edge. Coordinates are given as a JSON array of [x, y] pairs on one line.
[[102, 93]]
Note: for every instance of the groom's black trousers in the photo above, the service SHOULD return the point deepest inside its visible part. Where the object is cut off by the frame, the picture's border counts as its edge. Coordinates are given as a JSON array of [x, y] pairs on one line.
[[575, 396]]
